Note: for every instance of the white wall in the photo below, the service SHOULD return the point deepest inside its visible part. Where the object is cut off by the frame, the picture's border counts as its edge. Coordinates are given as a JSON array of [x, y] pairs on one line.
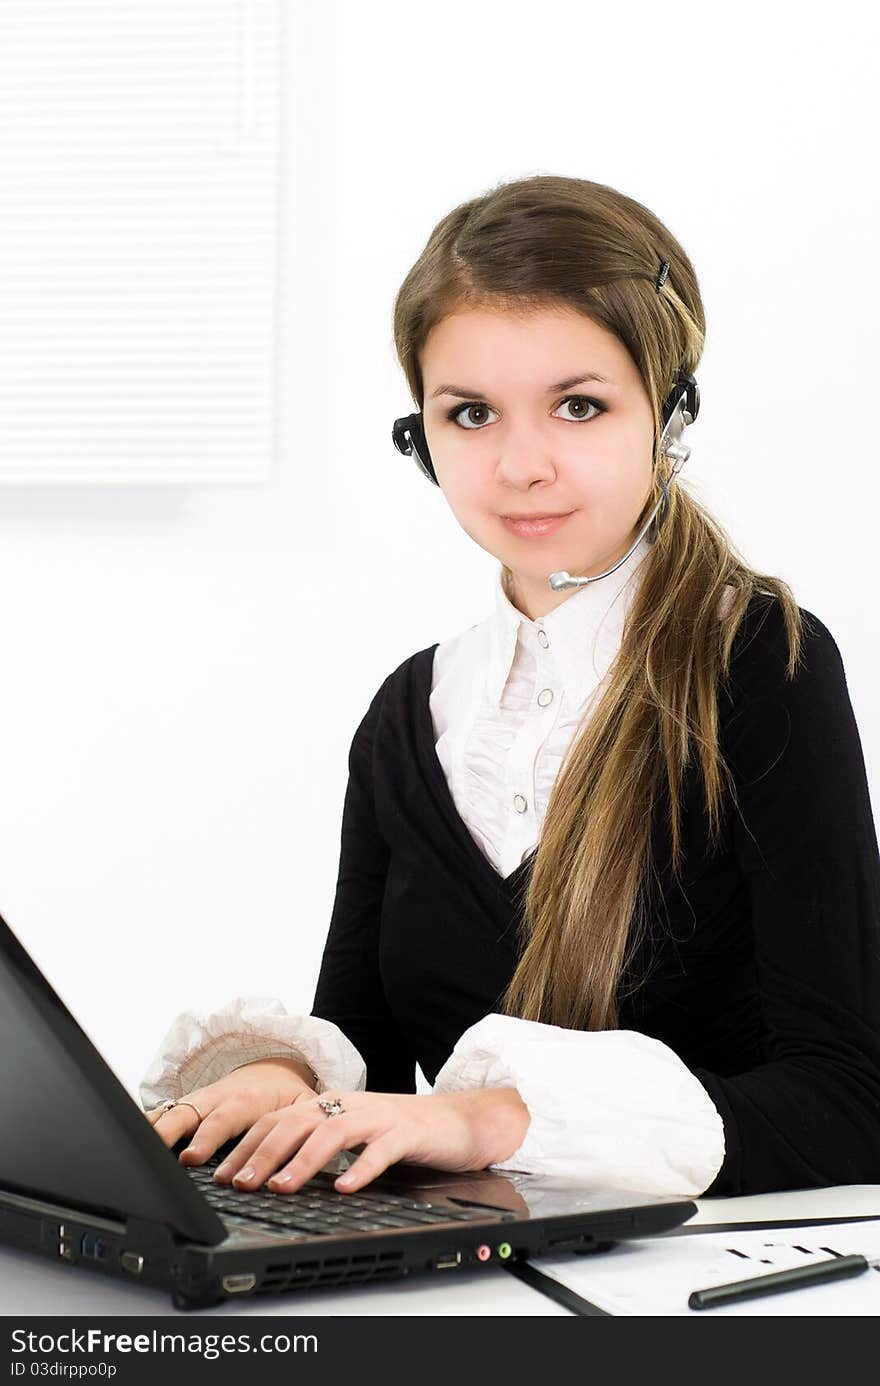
[[184, 667]]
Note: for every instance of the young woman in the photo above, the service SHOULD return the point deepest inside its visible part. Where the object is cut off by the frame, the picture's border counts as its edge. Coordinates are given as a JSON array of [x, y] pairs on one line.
[[609, 871]]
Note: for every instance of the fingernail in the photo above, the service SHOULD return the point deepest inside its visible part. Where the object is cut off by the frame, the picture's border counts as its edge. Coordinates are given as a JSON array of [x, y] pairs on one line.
[[243, 1175], [281, 1179], [346, 1180]]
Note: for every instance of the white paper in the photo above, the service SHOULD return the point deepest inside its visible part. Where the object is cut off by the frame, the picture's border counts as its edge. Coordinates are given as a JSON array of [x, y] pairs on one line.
[[655, 1275]]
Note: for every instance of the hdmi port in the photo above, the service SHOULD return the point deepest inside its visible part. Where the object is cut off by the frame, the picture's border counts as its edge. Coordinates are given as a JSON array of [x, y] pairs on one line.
[[237, 1284], [448, 1260]]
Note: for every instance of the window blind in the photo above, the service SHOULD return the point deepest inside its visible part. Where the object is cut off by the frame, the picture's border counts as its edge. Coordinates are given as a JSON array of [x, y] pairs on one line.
[[138, 204]]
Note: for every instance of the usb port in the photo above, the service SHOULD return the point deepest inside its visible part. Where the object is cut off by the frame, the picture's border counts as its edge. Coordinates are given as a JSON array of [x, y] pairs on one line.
[[448, 1260], [93, 1246]]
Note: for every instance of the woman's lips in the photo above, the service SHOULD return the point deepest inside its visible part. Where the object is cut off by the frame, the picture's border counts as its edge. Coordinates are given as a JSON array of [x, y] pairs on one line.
[[535, 528]]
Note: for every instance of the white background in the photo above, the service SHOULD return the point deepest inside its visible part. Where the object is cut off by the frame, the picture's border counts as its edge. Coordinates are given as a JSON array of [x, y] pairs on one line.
[[184, 668]]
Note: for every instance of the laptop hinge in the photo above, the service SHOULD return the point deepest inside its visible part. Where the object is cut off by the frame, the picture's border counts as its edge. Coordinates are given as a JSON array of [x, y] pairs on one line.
[[144, 1236]]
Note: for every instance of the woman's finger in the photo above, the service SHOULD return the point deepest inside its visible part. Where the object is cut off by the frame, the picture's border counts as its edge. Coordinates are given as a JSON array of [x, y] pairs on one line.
[[374, 1160], [156, 1113], [383, 1148], [175, 1123], [228, 1119], [289, 1133], [325, 1141], [262, 1131]]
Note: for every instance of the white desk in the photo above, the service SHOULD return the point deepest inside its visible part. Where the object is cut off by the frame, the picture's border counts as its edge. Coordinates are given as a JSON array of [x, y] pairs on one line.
[[32, 1284]]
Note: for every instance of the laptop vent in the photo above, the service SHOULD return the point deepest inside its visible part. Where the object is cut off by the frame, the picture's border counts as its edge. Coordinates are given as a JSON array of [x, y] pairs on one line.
[[329, 1270]]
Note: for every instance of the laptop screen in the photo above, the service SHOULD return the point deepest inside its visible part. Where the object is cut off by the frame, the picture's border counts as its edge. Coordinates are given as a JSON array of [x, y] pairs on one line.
[[71, 1132]]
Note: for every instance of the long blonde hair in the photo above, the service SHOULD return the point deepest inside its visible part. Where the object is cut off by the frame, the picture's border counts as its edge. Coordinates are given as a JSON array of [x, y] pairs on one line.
[[526, 244]]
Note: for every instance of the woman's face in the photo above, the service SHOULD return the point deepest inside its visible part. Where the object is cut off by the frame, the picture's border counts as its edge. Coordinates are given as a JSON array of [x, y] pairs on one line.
[[515, 428]]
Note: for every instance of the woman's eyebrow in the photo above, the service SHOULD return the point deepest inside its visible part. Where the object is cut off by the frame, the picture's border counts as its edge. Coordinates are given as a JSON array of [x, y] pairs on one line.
[[460, 393]]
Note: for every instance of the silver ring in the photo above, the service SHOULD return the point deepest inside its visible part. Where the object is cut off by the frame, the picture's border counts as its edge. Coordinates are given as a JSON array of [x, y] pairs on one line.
[[179, 1102], [331, 1105]]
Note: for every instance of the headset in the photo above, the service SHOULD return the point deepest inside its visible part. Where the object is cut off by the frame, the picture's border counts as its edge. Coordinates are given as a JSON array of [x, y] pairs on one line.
[[680, 408]]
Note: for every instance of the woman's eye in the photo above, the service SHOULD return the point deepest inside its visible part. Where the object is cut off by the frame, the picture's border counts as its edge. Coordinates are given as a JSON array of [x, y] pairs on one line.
[[467, 411], [582, 403], [474, 416]]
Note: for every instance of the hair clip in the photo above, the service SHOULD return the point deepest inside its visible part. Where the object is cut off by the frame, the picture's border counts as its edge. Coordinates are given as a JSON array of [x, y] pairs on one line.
[[661, 277]]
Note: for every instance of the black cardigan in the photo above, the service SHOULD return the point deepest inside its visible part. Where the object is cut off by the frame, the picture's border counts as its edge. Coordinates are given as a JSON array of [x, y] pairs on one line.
[[762, 961]]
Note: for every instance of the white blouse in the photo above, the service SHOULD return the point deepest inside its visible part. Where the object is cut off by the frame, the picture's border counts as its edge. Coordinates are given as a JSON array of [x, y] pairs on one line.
[[507, 698], [614, 1109]]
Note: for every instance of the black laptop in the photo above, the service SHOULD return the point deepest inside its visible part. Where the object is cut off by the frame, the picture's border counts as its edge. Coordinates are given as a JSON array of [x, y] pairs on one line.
[[84, 1179]]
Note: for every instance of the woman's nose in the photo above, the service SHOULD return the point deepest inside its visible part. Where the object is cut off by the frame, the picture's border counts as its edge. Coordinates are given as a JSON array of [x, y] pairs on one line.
[[524, 457]]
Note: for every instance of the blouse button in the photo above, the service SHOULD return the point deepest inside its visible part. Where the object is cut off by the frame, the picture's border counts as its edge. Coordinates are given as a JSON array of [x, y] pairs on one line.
[[542, 639], [519, 803], [545, 697]]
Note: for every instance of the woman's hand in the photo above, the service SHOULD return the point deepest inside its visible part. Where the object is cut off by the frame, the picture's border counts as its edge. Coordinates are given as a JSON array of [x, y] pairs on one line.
[[229, 1106], [455, 1131]]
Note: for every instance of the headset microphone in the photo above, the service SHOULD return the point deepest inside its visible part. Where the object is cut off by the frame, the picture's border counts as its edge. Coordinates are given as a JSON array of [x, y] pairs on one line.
[[680, 408]]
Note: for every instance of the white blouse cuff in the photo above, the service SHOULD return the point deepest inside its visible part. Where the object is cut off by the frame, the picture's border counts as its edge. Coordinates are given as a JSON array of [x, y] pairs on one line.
[[613, 1109], [200, 1049]]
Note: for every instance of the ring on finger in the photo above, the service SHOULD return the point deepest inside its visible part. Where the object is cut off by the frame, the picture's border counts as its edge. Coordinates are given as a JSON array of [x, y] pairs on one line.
[[179, 1102], [331, 1105]]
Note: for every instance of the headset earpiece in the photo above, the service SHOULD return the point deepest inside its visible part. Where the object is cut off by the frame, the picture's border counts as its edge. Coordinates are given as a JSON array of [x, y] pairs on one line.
[[685, 385], [680, 408], [408, 436]]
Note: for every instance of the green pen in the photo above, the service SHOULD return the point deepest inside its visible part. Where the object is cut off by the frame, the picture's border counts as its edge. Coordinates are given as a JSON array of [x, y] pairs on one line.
[[837, 1268]]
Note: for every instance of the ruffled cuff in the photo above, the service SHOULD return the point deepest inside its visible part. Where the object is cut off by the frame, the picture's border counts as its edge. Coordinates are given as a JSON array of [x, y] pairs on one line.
[[609, 1108], [200, 1049]]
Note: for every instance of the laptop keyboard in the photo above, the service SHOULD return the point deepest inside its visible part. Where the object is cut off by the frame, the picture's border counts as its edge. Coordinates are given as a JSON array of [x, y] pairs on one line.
[[317, 1209]]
